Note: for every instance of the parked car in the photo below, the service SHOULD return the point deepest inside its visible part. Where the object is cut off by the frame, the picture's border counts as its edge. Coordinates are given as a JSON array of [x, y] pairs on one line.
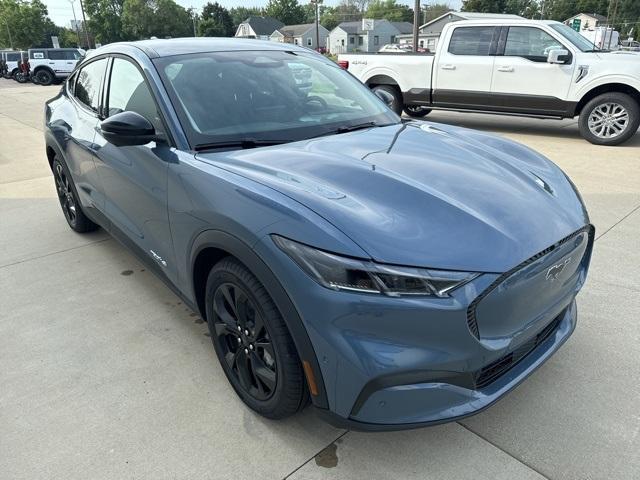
[[514, 67], [397, 273], [51, 64], [395, 48], [10, 61]]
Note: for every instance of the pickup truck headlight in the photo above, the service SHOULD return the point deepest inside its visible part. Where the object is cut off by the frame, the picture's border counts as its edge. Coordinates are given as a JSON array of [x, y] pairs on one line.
[[356, 275]]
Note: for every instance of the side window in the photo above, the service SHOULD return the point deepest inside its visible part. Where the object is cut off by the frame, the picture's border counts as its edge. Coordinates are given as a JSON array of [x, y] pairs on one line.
[[129, 92], [56, 55], [87, 88], [530, 42], [471, 41]]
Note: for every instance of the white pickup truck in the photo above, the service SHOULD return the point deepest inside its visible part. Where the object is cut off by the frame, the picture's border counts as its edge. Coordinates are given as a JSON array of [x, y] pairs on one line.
[[514, 67]]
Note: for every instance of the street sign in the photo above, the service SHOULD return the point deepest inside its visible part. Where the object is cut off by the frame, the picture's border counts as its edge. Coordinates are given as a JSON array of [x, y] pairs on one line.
[[367, 24], [576, 24]]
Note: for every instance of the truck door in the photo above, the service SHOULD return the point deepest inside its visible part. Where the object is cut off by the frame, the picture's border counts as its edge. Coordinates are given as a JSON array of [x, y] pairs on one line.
[[523, 81], [462, 76]]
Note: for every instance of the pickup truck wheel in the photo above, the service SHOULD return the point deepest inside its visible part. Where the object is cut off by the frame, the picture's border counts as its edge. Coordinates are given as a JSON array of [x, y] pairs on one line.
[[609, 119], [396, 106], [44, 77], [416, 111]]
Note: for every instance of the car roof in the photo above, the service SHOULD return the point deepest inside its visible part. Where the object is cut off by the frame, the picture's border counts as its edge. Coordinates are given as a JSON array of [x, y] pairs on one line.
[[503, 21], [180, 46]]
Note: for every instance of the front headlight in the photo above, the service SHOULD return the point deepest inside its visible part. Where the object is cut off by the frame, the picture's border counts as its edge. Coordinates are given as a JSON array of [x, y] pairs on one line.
[[344, 273]]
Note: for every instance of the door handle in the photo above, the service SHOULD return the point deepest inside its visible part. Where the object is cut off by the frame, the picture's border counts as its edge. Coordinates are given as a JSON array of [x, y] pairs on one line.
[[448, 67], [505, 69]]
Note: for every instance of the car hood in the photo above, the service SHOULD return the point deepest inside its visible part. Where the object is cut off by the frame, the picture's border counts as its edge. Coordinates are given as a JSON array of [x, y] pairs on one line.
[[423, 194]]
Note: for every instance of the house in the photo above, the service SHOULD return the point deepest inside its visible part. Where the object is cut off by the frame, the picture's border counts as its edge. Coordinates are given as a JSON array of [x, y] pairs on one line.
[[429, 33], [258, 27], [367, 35], [585, 21], [304, 35]]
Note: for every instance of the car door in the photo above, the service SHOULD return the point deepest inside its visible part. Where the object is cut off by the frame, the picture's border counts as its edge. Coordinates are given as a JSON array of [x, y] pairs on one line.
[[56, 60], [462, 77], [523, 81], [79, 130], [134, 178]]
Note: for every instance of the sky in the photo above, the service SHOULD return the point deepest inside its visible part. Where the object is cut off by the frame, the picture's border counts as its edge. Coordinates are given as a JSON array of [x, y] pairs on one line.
[[61, 13]]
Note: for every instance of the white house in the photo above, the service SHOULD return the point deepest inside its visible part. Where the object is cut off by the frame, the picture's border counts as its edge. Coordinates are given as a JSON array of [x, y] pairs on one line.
[[304, 35], [367, 35], [429, 33], [586, 21], [258, 27]]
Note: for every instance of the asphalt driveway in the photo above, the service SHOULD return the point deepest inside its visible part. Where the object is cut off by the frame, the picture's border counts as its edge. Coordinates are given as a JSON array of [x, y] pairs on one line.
[[104, 373]]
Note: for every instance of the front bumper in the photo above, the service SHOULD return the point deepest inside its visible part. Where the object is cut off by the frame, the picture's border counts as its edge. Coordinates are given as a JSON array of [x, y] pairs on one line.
[[397, 363]]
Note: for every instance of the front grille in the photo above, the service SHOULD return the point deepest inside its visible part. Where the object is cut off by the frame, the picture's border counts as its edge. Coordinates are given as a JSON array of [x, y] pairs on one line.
[[495, 369], [472, 321]]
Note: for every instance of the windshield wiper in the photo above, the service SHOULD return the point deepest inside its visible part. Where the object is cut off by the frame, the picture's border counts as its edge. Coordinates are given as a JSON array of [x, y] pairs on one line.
[[350, 128], [239, 144]]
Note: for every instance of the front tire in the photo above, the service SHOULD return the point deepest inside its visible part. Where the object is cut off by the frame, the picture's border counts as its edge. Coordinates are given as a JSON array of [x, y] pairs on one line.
[[252, 342], [68, 197], [416, 111], [609, 119], [396, 105]]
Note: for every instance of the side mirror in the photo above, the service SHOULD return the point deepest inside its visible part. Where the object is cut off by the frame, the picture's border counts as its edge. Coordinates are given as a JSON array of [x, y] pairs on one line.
[[558, 55], [385, 96], [128, 129]]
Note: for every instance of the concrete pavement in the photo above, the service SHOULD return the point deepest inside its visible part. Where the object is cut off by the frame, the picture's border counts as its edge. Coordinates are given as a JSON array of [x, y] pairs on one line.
[[104, 373]]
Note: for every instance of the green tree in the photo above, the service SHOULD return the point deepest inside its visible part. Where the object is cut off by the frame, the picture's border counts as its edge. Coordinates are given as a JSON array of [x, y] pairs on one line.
[[105, 20], [390, 10], [27, 23], [215, 21], [155, 18], [345, 11], [288, 12], [524, 8]]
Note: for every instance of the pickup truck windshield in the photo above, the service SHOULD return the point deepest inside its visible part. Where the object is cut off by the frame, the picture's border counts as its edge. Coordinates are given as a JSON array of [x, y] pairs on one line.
[[574, 37], [260, 97]]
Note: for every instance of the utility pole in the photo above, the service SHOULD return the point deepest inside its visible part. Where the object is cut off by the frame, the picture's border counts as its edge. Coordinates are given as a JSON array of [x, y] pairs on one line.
[[416, 24], [84, 25], [316, 4], [75, 21], [9, 33]]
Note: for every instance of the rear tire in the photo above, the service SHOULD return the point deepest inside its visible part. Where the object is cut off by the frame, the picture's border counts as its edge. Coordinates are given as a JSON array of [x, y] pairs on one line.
[[396, 106], [252, 342], [609, 119], [416, 111], [68, 197], [44, 77]]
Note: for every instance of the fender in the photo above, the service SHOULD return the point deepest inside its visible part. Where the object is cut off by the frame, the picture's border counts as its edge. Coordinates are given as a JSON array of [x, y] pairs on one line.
[[624, 79], [245, 254], [387, 72]]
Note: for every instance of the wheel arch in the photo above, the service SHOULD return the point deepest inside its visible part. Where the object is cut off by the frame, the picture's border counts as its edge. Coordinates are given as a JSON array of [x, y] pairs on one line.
[[43, 67], [607, 88], [209, 248], [381, 79]]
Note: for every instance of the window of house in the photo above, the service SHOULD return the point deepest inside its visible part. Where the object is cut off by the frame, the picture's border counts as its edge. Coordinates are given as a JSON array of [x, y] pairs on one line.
[[295, 41], [376, 40], [360, 40], [471, 41], [342, 42], [421, 43], [530, 42], [352, 40], [87, 88], [309, 42]]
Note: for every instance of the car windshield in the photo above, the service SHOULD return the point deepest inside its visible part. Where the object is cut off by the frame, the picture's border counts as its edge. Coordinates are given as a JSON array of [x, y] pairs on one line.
[[574, 37], [260, 97]]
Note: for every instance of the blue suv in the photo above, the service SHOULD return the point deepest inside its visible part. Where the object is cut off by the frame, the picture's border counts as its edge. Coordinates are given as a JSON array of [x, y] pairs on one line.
[[394, 273]]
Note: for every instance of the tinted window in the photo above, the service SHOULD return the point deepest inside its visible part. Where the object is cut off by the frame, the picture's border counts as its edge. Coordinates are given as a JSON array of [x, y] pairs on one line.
[[129, 92], [64, 54], [471, 40], [13, 57], [87, 88], [531, 43], [265, 95]]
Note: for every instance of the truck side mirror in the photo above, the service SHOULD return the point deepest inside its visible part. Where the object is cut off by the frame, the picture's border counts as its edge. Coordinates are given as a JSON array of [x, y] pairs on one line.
[[558, 55]]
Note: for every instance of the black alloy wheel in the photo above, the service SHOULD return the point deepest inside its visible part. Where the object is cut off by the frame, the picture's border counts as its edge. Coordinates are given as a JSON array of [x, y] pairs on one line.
[[68, 198], [44, 77], [243, 338], [252, 342]]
